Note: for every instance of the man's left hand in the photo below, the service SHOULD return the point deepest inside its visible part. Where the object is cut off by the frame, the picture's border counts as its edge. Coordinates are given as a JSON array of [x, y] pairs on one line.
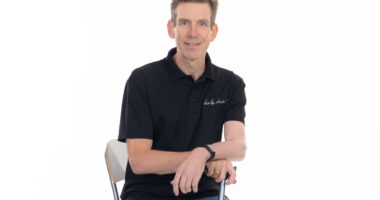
[[218, 169]]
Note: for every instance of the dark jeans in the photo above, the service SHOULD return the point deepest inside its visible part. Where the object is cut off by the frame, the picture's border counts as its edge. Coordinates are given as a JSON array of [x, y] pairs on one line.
[[213, 198]]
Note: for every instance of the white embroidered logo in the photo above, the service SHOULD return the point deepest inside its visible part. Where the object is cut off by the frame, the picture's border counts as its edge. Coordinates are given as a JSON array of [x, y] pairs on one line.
[[212, 102]]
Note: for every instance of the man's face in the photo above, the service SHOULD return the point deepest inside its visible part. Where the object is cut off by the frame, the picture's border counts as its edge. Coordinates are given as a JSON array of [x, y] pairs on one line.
[[193, 32]]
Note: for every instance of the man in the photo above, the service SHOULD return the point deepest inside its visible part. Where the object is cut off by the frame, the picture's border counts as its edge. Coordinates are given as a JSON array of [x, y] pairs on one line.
[[174, 111]]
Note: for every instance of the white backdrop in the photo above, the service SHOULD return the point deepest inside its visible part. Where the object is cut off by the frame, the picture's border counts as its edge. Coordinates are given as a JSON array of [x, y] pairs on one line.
[[311, 70]]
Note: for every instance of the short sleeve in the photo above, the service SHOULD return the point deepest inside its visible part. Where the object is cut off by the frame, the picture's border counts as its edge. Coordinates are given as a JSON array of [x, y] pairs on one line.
[[136, 119], [236, 105]]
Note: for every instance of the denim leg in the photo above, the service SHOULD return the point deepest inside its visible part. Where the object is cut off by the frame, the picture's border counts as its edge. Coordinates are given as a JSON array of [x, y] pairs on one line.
[[213, 198]]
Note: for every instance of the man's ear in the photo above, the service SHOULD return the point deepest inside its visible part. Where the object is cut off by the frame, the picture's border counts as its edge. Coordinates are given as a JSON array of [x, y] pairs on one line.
[[214, 32], [170, 26]]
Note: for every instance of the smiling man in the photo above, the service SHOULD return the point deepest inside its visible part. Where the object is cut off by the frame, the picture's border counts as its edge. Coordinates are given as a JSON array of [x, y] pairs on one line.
[[174, 111]]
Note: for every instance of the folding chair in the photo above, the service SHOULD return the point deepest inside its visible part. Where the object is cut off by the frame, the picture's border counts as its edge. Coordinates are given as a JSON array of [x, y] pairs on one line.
[[116, 159], [116, 156]]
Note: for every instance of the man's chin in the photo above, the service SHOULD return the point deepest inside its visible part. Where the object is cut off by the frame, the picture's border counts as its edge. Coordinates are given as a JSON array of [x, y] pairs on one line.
[[192, 55]]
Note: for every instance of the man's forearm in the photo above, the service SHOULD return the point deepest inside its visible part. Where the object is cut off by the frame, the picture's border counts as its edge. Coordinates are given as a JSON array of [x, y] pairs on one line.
[[157, 162], [166, 162], [234, 146], [230, 150]]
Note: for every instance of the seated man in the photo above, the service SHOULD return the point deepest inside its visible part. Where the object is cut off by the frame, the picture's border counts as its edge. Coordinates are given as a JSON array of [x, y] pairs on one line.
[[174, 111]]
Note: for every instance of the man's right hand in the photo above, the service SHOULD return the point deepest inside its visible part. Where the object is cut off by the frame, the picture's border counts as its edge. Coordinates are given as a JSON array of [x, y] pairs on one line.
[[190, 171]]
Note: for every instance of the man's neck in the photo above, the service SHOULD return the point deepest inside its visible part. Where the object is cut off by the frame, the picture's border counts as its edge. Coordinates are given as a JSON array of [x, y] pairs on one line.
[[195, 68]]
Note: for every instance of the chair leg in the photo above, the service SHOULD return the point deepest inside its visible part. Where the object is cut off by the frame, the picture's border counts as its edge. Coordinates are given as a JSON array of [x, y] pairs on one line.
[[222, 189], [115, 193], [113, 185]]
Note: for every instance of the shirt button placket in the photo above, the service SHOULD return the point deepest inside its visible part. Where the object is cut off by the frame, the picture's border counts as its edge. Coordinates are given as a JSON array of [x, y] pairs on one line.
[[194, 108]]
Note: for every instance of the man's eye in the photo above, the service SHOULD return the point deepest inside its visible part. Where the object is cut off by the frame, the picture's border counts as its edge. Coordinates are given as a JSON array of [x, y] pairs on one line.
[[203, 24], [184, 22]]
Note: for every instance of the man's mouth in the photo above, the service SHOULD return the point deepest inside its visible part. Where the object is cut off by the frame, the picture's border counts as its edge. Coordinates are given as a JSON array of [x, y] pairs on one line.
[[192, 44]]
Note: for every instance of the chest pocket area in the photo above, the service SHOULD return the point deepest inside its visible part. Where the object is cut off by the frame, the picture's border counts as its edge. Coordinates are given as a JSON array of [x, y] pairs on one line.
[[214, 110]]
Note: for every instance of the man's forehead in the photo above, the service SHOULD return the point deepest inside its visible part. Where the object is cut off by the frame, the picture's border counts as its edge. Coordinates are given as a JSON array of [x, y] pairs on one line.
[[193, 11], [193, 19], [192, 4]]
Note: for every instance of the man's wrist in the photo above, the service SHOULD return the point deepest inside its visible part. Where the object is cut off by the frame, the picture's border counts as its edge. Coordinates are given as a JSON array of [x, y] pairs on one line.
[[209, 148], [205, 154]]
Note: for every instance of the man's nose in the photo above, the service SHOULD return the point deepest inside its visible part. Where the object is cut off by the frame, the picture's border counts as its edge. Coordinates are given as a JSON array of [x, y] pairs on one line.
[[193, 32]]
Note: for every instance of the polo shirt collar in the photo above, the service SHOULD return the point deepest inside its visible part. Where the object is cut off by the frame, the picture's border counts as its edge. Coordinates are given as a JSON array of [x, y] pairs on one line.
[[176, 73]]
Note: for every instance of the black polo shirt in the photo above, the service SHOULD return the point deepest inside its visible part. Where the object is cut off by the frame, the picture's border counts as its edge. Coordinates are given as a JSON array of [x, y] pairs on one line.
[[163, 104]]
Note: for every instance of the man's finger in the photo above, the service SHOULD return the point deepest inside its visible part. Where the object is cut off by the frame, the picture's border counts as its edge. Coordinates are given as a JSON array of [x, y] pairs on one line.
[[188, 183], [222, 175], [195, 182], [210, 169], [232, 178], [182, 184], [174, 182]]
